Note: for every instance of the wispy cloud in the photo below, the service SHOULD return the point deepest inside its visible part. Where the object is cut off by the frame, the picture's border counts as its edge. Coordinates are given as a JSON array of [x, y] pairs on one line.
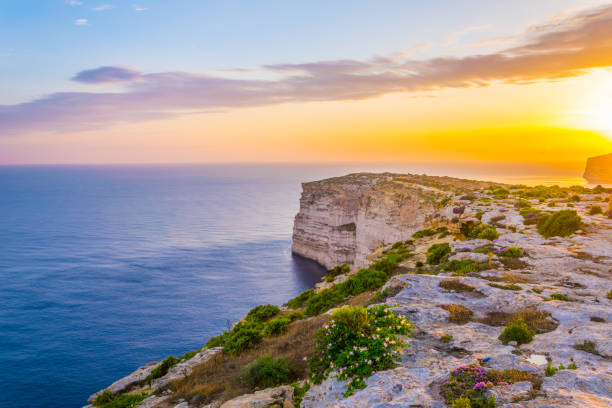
[[552, 51], [107, 75], [454, 37], [74, 3], [103, 7], [81, 22], [140, 9]]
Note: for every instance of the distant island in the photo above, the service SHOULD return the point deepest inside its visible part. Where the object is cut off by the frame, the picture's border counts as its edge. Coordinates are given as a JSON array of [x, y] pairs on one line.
[[599, 169]]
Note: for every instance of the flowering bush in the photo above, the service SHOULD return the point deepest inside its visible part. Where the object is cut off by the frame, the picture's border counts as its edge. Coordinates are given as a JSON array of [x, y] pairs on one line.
[[356, 342], [467, 387]]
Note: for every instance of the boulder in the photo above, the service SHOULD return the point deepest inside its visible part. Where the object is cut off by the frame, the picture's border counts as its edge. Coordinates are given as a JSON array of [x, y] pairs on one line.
[[280, 397]]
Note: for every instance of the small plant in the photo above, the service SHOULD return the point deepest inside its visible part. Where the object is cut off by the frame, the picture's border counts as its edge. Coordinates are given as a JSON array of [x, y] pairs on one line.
[[262, 313], [561, 223], [356, 343], [277, 326], [595, 209], [437, 252], [461, 268], [446, 338], [108, 400], [299, 392], [512, 252], [269, 372], [509, 286], [517, 331], [456, 285], [588, 347], [482, 231], [560, 296], [537, 290], [162, 368], [609, 295], [575, 198], [338, 270], [549, 371], [458, 314]]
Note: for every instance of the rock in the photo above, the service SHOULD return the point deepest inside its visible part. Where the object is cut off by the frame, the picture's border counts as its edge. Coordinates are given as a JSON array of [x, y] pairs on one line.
[[280, 397], [135, 379], [153, 401], [473, 256], [509, 393], [184, 367], [585, 389], [599, 169], [182, 405]]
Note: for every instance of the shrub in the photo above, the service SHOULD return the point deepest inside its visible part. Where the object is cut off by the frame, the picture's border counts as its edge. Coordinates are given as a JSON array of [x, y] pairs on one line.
[[301, 299], [561, 223], [382, 296], [528, 210], [517, 331], [323, 301], [277, 326], [575, 198], [467, 387], [446, 338], [437, 252], [424, 233], [595, 209], [512, 252], [356, 343], [461, 268], [108, 400], [162, 368], [262, 313], [363, 280], [299, 392], [295, 315], [588, 347], [242, 337], [609, 295], [269, 372], [487, 232], [337, 270], [188, 355], [560, 296]]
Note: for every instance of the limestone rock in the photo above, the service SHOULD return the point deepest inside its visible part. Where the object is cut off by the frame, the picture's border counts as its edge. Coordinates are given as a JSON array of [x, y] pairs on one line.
[[509, 393], [184, 368], [135, 379], [599, 169], [280, 397]]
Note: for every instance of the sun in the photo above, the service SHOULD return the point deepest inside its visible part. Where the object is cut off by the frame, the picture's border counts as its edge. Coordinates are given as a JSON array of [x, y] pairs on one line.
[[599, 117]]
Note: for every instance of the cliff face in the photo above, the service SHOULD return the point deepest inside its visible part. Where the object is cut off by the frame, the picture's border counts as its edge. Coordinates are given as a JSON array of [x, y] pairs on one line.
[[344, 219], [599, 169]]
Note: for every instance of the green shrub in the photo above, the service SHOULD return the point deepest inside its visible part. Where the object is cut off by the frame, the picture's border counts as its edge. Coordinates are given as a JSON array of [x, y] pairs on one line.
[[437, 252], [595, 209], [337, 270], [486, 232], [108, 400], [446, 338], [358, 342], [528, 210], [299, 392], [242, 337], [363, 280], [509, 286], [517, 331], [424, 233], [575, 198], [588, 347], [188, 355], [295, 315], [609, 295], [512, 252], [269, 372], [162, 368], [467, 387], [462, 402], [262, 313], [217, 341], [276, 326], [461, 268], [301, 299], [561, 223], [479, 214], [323, 301], [560, 296]]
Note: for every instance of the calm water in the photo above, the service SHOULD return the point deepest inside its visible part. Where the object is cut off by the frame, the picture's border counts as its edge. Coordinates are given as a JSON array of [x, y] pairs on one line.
[[105, 268]]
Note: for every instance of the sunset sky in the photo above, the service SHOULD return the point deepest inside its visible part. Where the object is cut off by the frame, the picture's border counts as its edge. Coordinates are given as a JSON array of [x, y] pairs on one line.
[[159, 81]]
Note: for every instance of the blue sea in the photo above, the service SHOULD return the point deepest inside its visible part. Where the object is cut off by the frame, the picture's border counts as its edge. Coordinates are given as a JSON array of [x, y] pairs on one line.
[[106, 268]]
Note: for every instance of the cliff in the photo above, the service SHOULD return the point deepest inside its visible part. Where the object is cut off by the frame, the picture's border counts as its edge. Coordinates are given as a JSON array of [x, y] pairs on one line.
[[344, 219], [599, 169]]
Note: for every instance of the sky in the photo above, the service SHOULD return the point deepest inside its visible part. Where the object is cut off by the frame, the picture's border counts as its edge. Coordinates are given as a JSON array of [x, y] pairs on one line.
[[159, 81]]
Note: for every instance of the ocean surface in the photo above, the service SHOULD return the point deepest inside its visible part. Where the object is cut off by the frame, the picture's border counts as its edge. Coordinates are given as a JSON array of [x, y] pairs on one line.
[[106, 268]]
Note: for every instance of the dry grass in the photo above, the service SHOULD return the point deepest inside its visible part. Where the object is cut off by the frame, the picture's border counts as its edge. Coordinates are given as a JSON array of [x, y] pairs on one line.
[[219, 377], [456, 286], [458, 313], [540, 322]]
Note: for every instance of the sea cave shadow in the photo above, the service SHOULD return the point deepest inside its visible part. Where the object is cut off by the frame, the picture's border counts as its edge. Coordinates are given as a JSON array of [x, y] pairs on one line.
[[307, 271]]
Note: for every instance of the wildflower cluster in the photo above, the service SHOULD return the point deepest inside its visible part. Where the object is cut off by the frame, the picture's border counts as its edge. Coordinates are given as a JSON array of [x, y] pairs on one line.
[[357, 342], [470, 382]]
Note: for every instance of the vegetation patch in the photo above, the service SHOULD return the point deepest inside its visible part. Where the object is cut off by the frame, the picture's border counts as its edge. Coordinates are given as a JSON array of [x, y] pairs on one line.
[[537, 321], [588, 347], [382, 296], [595, 209], [459, 314], [549, 371], [298, 392], [277, 326], [446, 338], [560, 296], [262, 313], [270, 372], [108, 400], [461, 268], [337, 270], [357, 342], [323, 301], [517, 331], [560, 223], [301, 299], [437, 253], [509, 286], [162, 368], [482, 231], [455, 285], [512, 252]]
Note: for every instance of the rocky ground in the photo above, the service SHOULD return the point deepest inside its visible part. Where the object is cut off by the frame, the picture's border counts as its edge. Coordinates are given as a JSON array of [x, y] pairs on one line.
[[564, 282]]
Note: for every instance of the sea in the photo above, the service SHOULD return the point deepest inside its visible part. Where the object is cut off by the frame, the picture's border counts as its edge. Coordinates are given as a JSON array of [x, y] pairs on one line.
[[104, 268]]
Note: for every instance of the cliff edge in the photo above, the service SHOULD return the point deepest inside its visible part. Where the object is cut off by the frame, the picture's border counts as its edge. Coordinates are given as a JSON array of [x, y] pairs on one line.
[[599, 169]]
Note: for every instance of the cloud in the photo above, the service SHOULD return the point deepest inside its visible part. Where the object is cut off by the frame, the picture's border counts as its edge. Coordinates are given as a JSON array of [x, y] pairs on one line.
[[103, 7], [81, 22], [74, 3], [454, 37], [551, 51], [106, 75], [140, 9]]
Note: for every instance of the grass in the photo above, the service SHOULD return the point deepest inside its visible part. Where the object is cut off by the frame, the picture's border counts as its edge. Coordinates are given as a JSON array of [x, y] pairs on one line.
[[298, 392], [455, 285], [108, 400], [221, 377], [509, 286], [459, 314], [162, 368], [512, 252], [539, 322], [517, 331], [382, 296], [437, 253], [588, 347], [560, 296], [461, 268], [301, 299]]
